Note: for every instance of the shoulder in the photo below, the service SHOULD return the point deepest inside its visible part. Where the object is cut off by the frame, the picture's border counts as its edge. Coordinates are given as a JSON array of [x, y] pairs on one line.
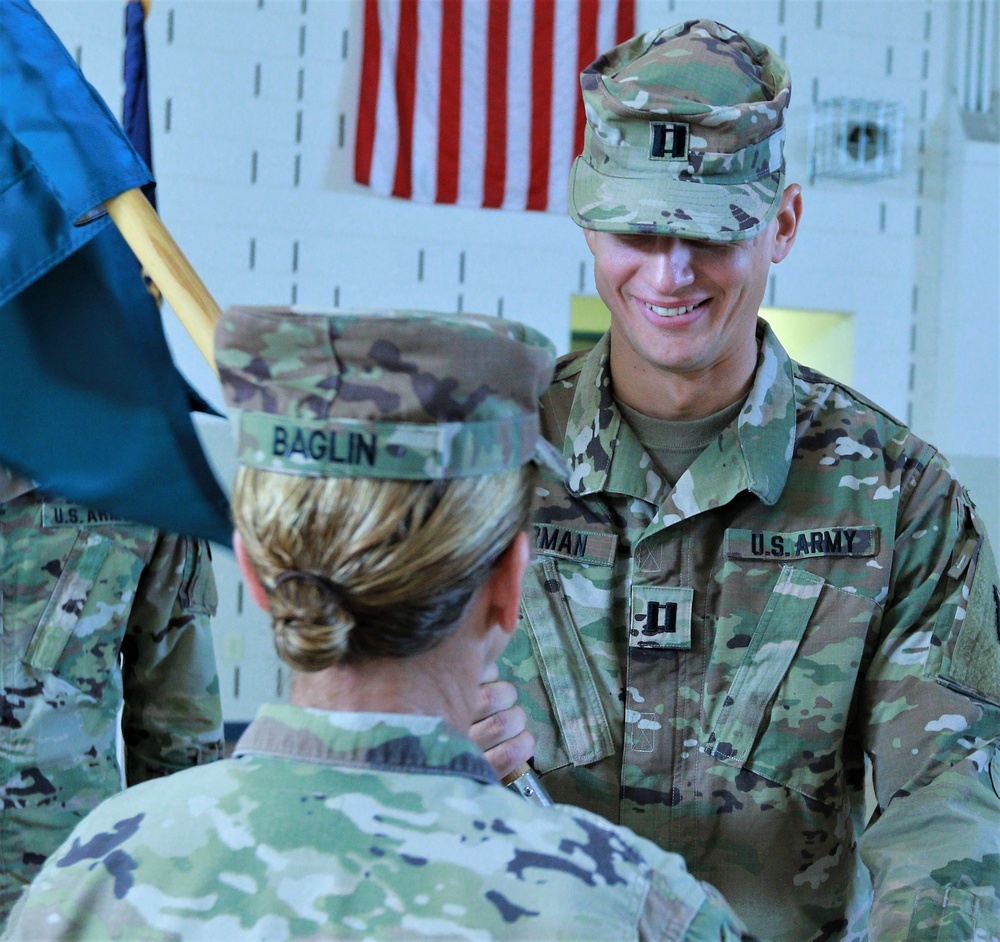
[[858, 429], [817, 392], [129, 854], [165, 814], [564, 846], [167, 793]]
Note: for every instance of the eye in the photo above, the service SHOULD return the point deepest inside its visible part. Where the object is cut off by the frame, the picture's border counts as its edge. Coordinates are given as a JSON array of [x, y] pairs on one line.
[[716, 249], [636, 241]]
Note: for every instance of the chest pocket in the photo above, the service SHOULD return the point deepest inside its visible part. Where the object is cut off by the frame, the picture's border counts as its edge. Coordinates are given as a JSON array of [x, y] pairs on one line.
[[565, 687], [79, 632], [787, 708]]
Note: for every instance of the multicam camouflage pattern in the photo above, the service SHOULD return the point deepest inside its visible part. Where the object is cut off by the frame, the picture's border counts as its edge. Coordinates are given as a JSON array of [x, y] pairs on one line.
[[358, 825], [710, 664], [78, 588], [390, 394], [684, 137]]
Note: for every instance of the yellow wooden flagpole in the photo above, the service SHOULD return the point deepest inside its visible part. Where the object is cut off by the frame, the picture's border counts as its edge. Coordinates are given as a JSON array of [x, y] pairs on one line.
[[165, 263]]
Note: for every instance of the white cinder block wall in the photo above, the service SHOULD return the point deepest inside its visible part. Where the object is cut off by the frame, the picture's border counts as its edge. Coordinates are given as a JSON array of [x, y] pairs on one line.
[[253, 105]]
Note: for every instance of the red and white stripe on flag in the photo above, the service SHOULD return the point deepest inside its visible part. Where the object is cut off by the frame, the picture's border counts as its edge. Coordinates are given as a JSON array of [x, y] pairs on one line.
[[477, 102]]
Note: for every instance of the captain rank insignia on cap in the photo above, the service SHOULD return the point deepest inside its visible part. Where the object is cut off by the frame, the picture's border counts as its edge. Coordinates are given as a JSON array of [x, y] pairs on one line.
[[668, 140]]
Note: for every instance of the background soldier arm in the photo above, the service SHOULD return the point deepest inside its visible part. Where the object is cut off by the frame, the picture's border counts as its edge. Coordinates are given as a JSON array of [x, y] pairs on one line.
[[172, 716], [932, 720]]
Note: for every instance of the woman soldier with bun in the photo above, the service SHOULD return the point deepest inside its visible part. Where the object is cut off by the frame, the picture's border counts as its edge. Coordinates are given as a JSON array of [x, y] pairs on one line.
[[381, 507]]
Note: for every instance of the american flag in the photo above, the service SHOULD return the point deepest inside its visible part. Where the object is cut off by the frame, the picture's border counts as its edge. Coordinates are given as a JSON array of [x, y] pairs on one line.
[[477, 102]]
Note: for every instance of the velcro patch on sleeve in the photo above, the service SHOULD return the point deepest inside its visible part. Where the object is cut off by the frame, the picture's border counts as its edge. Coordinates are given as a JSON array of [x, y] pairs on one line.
[[801, 544], [583, 546], [975, 663]]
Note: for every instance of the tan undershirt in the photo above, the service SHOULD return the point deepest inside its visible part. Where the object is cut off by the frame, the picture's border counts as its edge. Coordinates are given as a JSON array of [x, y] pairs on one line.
[[675, 445]]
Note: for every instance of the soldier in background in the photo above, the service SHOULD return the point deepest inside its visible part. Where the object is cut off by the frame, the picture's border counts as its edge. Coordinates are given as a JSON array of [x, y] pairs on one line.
[[99, 617], [755, 577], [381, 506]]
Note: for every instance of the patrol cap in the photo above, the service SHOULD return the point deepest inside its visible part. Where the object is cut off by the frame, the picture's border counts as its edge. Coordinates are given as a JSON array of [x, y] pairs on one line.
[[684, 137], [410, 395]]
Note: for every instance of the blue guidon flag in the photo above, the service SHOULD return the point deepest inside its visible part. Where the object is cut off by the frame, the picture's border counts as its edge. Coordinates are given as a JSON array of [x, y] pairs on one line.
[[92, 406]]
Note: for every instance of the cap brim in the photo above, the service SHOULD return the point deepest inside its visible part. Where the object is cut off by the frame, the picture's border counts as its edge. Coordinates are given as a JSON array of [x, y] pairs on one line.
[[662, 204]]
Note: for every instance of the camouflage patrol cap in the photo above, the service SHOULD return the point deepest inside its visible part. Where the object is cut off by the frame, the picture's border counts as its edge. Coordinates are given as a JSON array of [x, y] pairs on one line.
[[409, 395], [684, 137]]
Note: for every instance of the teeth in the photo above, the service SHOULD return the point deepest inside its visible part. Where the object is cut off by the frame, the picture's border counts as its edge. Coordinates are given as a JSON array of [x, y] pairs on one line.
[[670, 311]]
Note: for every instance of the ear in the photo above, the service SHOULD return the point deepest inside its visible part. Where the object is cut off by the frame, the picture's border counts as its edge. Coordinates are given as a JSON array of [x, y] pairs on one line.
[[257, 592], [787, 222], [504, 584], [591, 236]]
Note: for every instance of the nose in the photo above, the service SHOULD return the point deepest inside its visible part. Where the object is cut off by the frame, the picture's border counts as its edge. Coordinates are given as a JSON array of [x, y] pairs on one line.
[[669, 263]]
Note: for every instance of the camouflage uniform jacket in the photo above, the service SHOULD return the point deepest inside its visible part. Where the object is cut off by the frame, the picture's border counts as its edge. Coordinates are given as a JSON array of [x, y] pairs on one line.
[[710, 664], [77, 590], [357, 825]]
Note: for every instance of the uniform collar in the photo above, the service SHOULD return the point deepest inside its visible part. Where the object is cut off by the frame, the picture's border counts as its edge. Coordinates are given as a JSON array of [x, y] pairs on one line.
[[754, 454], [391, 742]]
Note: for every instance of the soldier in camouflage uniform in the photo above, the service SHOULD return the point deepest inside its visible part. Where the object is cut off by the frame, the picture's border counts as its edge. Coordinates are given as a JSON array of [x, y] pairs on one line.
[[381, 511], [98, 615], [755, 577]]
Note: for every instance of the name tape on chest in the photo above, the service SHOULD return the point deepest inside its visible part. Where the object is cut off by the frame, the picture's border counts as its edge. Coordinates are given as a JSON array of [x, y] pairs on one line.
[[801, 544], [64, 514], [582, 546]]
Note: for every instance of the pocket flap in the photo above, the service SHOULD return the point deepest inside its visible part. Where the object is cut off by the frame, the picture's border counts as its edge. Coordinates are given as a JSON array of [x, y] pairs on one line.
[[62, 611], [566, 674], [775, 640]]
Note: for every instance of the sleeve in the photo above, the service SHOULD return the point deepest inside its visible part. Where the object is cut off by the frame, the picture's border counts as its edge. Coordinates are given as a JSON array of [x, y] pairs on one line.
[[931, 722], [172, 714]]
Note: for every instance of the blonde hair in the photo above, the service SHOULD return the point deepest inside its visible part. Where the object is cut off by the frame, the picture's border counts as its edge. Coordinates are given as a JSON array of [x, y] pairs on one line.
[[360, 568]]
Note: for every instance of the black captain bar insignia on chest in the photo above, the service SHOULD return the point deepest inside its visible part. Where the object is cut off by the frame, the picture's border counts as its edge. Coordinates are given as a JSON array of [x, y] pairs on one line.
[[660, 617]]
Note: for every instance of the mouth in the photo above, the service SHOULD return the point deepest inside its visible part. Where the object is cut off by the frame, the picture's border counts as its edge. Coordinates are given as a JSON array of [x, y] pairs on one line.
[[668, 312]]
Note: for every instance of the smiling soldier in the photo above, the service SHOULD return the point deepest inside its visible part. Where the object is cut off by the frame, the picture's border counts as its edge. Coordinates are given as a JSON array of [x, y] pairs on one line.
[[754, 578]]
